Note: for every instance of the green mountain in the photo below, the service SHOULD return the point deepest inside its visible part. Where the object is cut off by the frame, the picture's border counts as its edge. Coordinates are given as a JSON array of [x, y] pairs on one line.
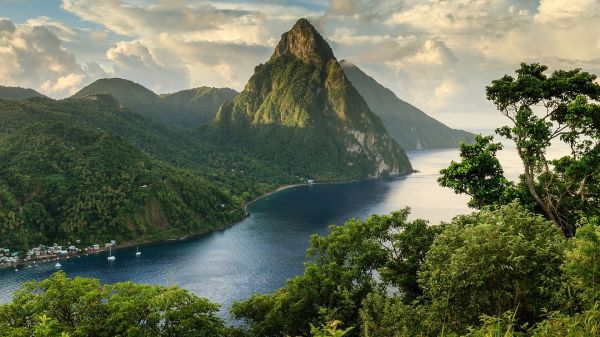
[[409, 126], [134, 96], [185, 109], [194, 107], [90, 169], [16, 93], [300, 112]]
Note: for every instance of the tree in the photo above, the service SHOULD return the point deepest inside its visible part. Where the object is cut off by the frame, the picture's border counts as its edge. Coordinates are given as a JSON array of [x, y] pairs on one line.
[[542, 109], [342, 274], [84, 307], [478, 174], [491, 262]]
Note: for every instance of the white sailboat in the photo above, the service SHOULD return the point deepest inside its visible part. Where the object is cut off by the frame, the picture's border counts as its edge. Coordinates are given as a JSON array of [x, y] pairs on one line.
[[137, 251], [110, 256], [57, 265]]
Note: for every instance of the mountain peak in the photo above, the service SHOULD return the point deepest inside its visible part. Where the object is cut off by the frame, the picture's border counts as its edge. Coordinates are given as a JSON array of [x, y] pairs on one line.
[[304, 42]]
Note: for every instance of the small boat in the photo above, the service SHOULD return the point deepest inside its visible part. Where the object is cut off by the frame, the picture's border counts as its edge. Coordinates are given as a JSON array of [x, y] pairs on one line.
[[16, 270], [58, 265], [137, 251], [110, 256]]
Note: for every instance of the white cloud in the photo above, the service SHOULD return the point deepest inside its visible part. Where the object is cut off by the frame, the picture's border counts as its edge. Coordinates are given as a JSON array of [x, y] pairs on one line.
[[133, 60], [33, 56], [65, 84], [437, 54], [567, 12]]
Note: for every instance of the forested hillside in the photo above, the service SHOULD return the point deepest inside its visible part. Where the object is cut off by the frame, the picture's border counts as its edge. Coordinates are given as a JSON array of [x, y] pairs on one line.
[[89, 169]]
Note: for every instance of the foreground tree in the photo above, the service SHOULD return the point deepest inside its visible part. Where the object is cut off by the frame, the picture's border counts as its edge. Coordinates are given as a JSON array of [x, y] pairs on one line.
[[479, 174], [491, 262], [342, 274], [542, 110], [84, 307]]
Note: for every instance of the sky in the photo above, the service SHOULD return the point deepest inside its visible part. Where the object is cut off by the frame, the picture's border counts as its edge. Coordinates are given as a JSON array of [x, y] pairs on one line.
[[436, 54]]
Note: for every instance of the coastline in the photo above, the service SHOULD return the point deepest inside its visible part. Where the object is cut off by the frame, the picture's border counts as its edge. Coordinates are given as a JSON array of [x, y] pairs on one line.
[[189, 235], [128, 244]]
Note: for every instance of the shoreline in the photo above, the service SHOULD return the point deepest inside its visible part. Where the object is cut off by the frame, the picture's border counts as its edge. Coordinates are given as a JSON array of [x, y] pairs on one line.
[[191, 235]]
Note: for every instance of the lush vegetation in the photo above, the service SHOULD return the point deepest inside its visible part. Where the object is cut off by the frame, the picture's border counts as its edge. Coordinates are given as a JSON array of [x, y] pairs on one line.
[[91, 170], [500, 272], [525, 263], [61, 183], [542, 109], [59, 306], [300, 112], [409, 126]]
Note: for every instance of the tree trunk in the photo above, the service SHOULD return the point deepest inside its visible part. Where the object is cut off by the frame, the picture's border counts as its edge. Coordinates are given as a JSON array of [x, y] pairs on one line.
[[529, 179]]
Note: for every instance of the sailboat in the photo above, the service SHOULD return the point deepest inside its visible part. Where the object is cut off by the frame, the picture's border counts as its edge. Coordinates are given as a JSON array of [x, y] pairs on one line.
[[57, 265], [137, 251], [110, 256]]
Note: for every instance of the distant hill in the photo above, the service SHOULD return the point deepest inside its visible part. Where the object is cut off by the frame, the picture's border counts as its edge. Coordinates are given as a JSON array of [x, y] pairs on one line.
[[16, 93], [185, 109], [300, 112], [132, 95], [409, 126], [194, 107]]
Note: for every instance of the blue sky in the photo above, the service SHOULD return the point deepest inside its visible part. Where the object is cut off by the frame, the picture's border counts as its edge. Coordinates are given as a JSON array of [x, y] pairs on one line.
[[437, 54]]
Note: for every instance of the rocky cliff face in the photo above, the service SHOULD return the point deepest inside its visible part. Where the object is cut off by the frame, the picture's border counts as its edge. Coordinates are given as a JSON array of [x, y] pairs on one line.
[[303, 95], [304, 42]]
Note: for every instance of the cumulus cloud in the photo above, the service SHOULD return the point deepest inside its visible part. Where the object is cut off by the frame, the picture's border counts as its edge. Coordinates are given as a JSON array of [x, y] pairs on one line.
[[437, 54], [567, 13], [177, 44], [33, 56], [133, 60]]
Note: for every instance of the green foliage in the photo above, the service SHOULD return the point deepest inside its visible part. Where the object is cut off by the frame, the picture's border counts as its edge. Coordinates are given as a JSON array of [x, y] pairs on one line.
[[582, 324], [67, 182], [329, 330], [569, 113], [84, 307], [383, 315], [478, 174], [75, 169], [562, 107], [496, 326], [582, 265], [341, 275], [409, 126], [491, 262]]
